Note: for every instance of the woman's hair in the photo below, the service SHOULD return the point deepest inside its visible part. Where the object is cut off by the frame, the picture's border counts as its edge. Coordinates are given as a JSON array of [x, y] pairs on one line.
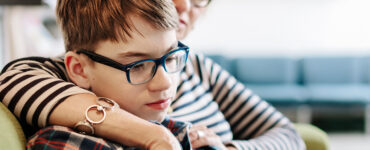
[[85, 23]]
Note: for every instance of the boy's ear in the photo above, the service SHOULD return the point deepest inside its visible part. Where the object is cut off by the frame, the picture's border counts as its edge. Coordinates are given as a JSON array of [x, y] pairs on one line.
[[76, 69]]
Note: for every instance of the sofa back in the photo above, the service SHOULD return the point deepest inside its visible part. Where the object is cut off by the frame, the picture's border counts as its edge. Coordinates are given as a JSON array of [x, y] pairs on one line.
[[332, 70], [302, 71], [271, 70], [365, 70]]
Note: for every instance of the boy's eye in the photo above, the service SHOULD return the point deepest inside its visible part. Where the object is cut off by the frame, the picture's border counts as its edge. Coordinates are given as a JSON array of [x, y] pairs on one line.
[[170, 59], [142, 66], [137, 67]]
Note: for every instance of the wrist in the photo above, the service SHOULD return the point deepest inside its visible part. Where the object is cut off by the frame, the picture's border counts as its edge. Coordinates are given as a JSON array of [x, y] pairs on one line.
[[130, 130], [125, 128], [161, 138]]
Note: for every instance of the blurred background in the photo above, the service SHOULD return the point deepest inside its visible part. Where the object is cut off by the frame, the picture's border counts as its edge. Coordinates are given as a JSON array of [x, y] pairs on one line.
[[284, 28], [28, 28], [309, 58]]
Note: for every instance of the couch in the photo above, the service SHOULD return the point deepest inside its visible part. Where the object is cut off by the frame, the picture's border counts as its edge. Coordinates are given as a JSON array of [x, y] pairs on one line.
[[328, 85], [11, 133]]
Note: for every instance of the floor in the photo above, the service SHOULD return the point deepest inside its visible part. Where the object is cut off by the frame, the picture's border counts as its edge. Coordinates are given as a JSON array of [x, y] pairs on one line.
[[349, 141], [345, 128]]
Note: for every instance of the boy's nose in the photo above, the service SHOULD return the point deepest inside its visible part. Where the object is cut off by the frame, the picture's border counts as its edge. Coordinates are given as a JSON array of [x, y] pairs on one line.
[[161, 80]]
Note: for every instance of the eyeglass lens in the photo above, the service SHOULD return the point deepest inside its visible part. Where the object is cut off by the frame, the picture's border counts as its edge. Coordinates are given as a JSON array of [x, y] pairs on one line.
[[145, 71], [200, 3]]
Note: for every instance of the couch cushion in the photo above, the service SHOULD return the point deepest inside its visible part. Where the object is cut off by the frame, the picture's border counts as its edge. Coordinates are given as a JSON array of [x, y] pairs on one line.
[[331, 70], [266, 70], [338, 94], [280, 94], [365, 68], [11, 136]]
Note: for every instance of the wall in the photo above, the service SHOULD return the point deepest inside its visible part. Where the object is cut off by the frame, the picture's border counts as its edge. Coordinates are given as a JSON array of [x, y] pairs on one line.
[[284, 28], [30, 31], [2, 53]]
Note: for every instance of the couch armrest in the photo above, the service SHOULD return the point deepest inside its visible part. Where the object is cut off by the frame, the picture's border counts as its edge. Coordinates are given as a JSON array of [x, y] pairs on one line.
[[12, 136], [313, 137]]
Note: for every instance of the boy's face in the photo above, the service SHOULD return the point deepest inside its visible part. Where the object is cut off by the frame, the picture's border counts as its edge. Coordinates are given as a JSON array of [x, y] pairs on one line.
[[150, 100]]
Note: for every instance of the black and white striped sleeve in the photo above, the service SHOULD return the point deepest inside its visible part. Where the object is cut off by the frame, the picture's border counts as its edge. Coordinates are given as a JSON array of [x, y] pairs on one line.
[[32, 87]]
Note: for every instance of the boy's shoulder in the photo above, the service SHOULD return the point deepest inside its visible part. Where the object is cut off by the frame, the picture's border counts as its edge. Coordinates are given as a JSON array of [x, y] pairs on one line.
[[30, 60]]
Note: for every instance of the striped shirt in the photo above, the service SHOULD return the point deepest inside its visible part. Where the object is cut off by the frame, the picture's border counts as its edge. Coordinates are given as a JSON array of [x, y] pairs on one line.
[[32, 87]]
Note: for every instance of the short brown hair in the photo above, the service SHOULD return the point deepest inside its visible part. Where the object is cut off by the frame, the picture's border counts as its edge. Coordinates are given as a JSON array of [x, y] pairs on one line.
[[85, 23]]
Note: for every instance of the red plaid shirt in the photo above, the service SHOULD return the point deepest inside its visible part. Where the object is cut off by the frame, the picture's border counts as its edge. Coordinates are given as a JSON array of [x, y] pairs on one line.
[[63, 138]]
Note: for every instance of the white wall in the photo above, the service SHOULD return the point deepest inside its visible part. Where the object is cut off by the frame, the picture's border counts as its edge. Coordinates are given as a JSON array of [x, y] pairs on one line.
[[1, 39], [284, 28]]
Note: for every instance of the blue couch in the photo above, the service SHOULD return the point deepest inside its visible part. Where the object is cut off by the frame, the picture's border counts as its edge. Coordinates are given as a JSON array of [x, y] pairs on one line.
[[306, 83]]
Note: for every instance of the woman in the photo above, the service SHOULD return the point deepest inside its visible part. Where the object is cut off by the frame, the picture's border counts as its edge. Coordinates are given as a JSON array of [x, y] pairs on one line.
[[211, 99]]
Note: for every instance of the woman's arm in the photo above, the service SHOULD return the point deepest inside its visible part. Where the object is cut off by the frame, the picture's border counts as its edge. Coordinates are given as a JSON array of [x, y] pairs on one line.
[[255, 123], [137, 132], [37, 91]]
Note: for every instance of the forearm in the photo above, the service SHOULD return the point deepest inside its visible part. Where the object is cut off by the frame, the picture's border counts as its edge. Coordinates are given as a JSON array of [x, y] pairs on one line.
[[119, 125], [267, 129], [284, 138]]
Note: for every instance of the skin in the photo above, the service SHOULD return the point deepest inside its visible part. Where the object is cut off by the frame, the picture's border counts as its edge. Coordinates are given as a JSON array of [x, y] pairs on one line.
[[135, 99]]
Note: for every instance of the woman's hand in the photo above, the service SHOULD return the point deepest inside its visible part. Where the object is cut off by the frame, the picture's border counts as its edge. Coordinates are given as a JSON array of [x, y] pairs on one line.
[[202, 136]]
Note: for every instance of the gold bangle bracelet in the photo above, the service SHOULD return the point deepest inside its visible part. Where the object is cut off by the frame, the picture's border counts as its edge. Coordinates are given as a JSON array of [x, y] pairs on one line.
[[86, 126]]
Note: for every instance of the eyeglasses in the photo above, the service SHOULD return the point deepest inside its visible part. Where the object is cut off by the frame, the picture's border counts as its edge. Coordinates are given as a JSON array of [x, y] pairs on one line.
[[200, 3], [142, 71]]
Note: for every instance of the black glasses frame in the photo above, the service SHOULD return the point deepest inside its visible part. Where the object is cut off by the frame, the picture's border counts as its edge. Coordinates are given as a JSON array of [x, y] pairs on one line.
[[126, 68]]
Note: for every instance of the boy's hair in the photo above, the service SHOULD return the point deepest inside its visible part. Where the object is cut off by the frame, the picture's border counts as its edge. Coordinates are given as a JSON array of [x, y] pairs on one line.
[[85, 23]]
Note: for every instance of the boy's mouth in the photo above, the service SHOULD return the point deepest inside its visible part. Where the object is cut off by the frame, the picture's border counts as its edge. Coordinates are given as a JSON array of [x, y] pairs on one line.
[[160, 104]]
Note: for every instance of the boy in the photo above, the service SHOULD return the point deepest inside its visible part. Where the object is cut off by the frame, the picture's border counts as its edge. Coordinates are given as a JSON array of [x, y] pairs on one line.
[[101, 36]]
